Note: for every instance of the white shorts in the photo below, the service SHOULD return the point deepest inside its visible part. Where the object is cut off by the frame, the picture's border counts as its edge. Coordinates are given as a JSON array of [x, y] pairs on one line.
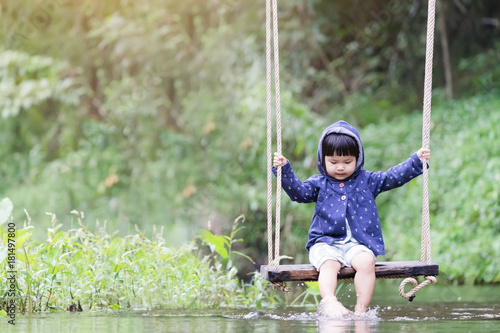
[[343, 253]]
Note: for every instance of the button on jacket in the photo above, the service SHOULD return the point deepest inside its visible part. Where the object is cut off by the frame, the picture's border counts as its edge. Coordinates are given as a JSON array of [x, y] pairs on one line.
[[352, 199]]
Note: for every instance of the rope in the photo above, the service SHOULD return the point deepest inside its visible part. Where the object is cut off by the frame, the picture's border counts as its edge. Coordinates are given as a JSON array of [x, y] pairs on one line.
[[269, 136], [274, 15], [426, 125], [425, 246], [278, 131], [281, 286], [416, 287]]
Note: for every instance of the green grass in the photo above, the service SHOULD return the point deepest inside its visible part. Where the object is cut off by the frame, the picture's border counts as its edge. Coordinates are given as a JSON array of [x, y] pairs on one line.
[[99, 270]]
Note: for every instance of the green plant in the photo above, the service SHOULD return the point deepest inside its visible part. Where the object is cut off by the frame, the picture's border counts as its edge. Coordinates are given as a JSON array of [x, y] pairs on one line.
[[223, 245], [98, 270], [463, 192], [312, 290]]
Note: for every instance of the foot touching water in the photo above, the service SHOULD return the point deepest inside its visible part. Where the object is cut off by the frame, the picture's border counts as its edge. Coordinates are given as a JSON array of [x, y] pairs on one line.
[[331, 307]]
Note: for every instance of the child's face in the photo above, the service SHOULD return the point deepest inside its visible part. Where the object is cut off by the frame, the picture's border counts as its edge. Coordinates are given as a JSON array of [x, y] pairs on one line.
[[340, 167]]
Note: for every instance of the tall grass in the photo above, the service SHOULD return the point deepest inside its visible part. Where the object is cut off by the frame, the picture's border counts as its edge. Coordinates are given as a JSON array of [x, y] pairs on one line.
[[80, 269]]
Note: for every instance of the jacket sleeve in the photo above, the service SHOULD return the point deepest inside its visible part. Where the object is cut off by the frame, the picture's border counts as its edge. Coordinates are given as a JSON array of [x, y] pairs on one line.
[[396, 176], [303, 192]]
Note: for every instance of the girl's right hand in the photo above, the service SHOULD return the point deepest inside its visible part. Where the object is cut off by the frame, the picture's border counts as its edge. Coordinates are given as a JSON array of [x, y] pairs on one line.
[[279, 160]]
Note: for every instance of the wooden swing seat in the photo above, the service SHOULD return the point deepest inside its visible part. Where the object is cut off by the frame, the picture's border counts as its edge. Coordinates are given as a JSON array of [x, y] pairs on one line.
[[383, 270]]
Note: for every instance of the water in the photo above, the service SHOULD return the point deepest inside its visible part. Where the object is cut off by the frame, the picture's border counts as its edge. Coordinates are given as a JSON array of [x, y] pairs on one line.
[[435, 309]]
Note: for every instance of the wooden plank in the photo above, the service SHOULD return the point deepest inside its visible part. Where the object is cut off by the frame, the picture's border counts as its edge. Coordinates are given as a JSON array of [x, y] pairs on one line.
[[385, 269]]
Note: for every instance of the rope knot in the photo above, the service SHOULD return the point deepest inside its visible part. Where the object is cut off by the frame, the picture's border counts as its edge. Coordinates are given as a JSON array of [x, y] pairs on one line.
[[281, 286]]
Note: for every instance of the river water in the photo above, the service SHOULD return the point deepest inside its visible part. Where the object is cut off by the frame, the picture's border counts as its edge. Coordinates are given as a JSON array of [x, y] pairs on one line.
[[435, 309]]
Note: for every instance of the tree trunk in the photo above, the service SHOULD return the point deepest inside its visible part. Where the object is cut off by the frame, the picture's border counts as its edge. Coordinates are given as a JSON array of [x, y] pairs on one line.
[[446, 52]]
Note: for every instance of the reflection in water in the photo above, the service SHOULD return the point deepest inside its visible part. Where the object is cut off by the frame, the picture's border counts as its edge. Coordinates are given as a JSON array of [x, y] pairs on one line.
[[445, 317], [442, 309], [348, 325]]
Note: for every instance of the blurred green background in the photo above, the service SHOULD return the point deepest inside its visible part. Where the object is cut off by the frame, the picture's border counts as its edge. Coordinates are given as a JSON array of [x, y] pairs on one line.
[[152, 113]]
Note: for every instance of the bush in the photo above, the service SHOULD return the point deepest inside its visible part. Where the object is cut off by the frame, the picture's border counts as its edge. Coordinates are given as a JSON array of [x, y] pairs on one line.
[[463, 188]]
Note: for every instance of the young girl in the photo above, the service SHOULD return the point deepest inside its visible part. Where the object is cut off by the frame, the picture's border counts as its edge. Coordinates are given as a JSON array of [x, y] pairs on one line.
[[345, 228]]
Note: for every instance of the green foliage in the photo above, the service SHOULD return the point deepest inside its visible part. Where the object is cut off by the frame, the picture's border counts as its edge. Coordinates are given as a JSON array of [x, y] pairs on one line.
[[6, 207], [153, 112], [31, 81], [482, 71], [463, 191], [149, 137], [336, 55], [313, 292], [223, 245], [101, 270]]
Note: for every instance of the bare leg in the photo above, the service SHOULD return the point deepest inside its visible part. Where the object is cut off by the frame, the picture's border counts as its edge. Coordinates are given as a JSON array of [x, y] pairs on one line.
[[327, 283], [364, 280]]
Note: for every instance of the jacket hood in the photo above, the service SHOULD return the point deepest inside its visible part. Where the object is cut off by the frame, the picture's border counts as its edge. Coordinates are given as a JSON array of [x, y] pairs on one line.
[[341, 127]]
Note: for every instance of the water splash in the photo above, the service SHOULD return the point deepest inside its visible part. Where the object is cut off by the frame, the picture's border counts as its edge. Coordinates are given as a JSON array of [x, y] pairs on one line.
[[371, 315], [300, 316]]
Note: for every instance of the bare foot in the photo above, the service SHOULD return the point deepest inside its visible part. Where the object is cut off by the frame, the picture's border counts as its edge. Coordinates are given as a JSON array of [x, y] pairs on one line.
[[331, 307], [360, 310]]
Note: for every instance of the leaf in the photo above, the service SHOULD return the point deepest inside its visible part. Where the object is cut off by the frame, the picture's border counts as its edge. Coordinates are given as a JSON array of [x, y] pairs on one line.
[[6, 208], [244, 255], [219, 242], [312, 287], [23, 235], [59, 235]]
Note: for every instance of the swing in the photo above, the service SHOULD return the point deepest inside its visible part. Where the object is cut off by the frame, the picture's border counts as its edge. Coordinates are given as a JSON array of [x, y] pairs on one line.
[[278, 274]]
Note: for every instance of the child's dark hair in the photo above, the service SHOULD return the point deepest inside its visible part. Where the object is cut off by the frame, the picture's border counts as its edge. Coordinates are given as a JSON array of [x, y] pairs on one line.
[[341, 144]]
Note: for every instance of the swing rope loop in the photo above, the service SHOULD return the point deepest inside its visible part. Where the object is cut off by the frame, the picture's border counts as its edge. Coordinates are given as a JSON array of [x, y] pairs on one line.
[[416, 287]]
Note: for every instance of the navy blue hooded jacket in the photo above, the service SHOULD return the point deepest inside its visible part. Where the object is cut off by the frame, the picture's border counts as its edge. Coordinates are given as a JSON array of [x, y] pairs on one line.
[[352, 198]]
